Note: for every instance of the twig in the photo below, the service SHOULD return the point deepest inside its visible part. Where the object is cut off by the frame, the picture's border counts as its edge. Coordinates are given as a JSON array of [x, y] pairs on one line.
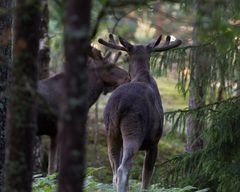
[[100, 16], [236, 98], [118, 19]]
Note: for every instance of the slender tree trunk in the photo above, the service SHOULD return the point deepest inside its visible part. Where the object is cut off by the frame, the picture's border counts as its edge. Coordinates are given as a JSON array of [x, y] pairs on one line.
[[196, 92], [44, 51], [238, 69], [196, 99], [43, 72], [5, 60], [72, 123], [96, 134], [21, 113]]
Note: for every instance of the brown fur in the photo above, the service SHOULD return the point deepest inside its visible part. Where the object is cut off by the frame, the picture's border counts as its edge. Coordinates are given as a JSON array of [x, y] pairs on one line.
[[103, 77]]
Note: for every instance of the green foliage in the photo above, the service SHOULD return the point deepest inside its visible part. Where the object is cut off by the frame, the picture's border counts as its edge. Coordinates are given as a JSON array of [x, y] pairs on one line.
[[217, 165], [48, 184], [222, 68], [44, 184]]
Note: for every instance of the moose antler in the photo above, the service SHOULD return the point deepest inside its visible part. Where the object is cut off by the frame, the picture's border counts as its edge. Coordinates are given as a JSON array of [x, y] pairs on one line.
[[116, 57], [153, 46], [112, 43], [107, 55], [167, 45]]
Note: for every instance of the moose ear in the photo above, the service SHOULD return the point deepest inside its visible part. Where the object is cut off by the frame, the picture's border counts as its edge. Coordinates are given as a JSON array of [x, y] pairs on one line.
[[95, 54], [125, 43]]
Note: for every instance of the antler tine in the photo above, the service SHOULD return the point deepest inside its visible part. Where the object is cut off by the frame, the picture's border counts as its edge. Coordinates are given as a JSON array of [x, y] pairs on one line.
[[111, 39], [108, 54], [116, 57], [168, 45], [111, 44], [168, 38]]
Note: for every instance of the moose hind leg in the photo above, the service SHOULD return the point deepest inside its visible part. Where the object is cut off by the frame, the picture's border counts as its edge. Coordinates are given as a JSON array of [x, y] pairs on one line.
[[114, 155], [129, 151], [149, 161]]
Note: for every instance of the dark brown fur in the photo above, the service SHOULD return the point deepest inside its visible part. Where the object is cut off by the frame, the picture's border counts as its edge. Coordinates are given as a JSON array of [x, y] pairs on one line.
[[102, 77]]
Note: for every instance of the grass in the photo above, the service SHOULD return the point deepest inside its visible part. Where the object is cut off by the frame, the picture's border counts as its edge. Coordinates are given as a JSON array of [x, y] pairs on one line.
[[171, 98]]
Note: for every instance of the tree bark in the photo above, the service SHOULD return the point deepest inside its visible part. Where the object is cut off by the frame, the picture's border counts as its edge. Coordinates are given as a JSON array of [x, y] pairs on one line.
[[74, 110], [5, 60], [21, 113], [196, 92]]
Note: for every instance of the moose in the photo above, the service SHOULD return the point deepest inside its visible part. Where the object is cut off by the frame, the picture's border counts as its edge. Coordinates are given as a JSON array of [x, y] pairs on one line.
[[104, 76], [133, 116]]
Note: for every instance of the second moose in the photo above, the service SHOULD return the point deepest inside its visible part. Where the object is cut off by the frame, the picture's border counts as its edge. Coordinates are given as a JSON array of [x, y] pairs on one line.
[[133, 116]]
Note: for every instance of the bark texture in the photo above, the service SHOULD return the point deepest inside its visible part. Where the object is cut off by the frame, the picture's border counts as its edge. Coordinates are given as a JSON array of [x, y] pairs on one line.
[[5, 60], [21, 116], [74, 109]]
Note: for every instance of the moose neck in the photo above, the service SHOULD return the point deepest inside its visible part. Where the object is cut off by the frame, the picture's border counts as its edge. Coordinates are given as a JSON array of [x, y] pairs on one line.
[[96, 87], [139, 68]]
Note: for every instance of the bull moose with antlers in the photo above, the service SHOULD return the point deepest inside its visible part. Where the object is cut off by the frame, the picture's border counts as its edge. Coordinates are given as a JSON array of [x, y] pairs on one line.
[[133, 116]]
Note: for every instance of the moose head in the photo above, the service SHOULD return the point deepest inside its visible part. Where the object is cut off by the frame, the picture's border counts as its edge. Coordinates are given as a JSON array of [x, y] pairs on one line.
[[106, 69], [139, 55]]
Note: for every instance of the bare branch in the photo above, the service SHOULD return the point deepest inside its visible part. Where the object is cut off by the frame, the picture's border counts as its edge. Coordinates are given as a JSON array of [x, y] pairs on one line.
[[100, 16]]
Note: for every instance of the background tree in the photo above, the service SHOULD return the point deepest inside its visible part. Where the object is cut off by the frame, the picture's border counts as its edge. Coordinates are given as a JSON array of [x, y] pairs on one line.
[[74, 109], [214, 66], [44, 51], [21, 116], [5, 60], [197, 89]]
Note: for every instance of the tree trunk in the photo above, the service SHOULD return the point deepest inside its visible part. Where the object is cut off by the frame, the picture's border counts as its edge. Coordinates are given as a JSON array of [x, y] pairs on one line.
[[43, 72], [196, 92], [44, 51], [5, 60], [196, 99], [74, 110], [21, 113]]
